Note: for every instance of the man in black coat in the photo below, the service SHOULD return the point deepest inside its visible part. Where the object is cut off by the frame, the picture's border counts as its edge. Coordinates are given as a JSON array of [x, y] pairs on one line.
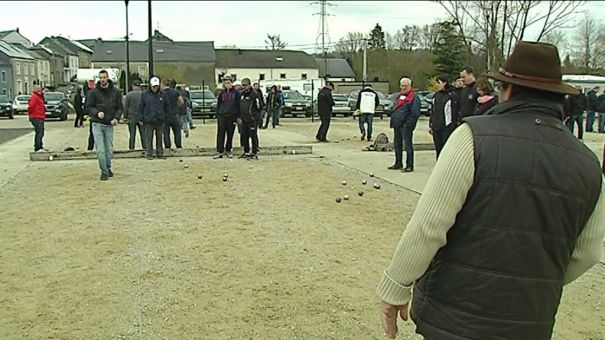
[[79, 107], [574, 108], [325, 103], [467, 100], [592, 104]]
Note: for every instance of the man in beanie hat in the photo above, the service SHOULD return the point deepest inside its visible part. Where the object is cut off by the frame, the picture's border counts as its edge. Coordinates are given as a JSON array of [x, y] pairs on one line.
[[513, 226]]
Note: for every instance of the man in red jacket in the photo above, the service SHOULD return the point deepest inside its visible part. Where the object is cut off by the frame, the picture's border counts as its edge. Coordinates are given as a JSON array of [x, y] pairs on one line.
[[37, 114]]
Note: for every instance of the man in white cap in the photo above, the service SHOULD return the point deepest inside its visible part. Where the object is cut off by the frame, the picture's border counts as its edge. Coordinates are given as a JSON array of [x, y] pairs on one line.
[[152, 114]]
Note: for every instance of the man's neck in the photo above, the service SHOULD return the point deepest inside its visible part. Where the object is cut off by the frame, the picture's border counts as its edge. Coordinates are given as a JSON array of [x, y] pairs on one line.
[[105, 86]]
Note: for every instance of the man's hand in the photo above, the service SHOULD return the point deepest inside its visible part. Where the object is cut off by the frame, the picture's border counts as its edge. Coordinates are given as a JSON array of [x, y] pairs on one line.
[[388, 315], [141, 124], [101, 115], [114, 122]]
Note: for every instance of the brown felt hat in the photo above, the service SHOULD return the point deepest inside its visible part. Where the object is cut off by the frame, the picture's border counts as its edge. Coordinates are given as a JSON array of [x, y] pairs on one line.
[[535, 65]]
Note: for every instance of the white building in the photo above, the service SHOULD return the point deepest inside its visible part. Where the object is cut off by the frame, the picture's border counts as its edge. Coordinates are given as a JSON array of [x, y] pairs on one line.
[[265, 65], [587, 82]]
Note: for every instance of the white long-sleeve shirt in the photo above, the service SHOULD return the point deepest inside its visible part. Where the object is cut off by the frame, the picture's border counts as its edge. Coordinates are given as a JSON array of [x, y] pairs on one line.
[[447, 189]]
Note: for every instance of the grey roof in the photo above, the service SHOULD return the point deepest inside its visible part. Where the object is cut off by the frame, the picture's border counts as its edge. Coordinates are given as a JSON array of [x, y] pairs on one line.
[[13, 51], [240, 58], [88, 42], [50, 51], [63, 43], [337, 68], [5, 33], [194, 51], [35, 54]]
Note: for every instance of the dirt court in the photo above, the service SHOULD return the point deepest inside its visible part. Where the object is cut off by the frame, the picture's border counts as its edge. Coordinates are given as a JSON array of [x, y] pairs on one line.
[[156, 253]]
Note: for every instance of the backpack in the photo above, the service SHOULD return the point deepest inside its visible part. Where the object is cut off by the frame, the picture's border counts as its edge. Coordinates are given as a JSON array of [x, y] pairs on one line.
[[381, 143]]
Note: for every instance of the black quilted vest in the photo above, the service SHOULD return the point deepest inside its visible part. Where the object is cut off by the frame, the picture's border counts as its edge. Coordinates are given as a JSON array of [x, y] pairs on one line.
[[500, 276]]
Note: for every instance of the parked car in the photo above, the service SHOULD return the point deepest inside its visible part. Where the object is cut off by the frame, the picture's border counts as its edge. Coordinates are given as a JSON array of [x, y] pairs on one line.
[[6, 106], [21, 104], [426, 102], [203, 103], [296, 104], [56, 105], [341, 106]]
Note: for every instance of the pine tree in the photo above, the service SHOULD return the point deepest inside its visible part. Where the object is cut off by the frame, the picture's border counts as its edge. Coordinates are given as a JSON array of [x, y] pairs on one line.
[[377, 39], [449, 50]]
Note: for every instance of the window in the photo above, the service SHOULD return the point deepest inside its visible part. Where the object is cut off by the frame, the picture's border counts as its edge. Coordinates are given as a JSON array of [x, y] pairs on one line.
[[141, 70], [220, 77], [4, 76], [282, 76], [18, 67], [303, 76], [31, 68], [261, 76], [3, 91], [19, 87], [233, 77]]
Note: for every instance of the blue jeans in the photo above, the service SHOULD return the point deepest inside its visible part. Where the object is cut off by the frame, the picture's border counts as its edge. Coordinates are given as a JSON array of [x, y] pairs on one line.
[[38, 125], [189, 118], [590, 121], [404, 136], [363, 119], [103, 136]]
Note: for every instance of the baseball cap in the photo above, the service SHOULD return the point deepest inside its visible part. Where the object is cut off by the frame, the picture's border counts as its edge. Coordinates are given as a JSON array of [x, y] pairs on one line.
[[237, 82], [155, 81], [136, 83], [226, 77]]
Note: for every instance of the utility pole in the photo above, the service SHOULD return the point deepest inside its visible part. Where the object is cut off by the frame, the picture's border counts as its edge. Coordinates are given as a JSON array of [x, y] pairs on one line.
[[127, 82], [365, 60], [323, 32], [150, 41]]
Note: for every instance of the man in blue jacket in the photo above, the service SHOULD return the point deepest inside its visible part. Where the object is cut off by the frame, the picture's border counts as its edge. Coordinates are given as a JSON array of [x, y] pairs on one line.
[[403, 122], [227, 113], [151, 116]]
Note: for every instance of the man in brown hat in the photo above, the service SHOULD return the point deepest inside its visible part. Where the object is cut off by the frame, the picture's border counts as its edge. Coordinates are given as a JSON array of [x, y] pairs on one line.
[[512, 228]]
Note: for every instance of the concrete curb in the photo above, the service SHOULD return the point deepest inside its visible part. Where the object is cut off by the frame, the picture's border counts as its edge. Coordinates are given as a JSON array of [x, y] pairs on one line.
[[190, 152]]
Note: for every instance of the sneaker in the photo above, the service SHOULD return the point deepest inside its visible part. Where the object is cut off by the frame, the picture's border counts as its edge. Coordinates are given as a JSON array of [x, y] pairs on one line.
[[252, 156], [192, 127], [362, 138], [104, 177], [109, 173], [40, 150], [244, 155], [220, 155], [229, 154]]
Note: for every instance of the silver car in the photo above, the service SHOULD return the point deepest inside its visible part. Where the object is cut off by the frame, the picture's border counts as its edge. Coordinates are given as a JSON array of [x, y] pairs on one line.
[[341, 106], [21, 103]]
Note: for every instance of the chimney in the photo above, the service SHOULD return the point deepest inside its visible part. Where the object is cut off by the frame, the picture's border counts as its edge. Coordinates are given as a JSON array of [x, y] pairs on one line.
[[17, 30]]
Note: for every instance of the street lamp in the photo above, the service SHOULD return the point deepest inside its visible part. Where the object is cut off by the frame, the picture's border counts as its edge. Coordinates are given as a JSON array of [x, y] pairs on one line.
[[127, 82]]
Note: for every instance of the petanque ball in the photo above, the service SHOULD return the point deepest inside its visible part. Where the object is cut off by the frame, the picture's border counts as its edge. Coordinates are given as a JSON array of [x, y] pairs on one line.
[[360, 193], [371, 174], [376, 186], [186, 166], [199, 176], [364, 182], [181, 160], [346, 197], [338, 199], [344, 182], [224, 179]]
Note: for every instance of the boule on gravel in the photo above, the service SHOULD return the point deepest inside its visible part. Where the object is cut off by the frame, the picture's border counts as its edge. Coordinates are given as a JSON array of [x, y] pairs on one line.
[[371, 174], [376, 186], [186, 166], [224, 179], [364, 182], [346, 197], [225, 175], [360, 193], [344, 182], [181, 160], [199, 176], [338, 199]]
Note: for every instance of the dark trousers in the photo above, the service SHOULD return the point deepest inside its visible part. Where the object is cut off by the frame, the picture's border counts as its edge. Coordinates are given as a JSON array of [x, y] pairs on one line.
[[576, 120], [132, 129], [79, 118], [274, 115], [225, 128], [174, 124], [440, 137], [590, 121], [158, 130], [601, 122], [322, 132], [249, 131], [91, 139], [38, 125], [366, 118], [404, 136], [261, 119]]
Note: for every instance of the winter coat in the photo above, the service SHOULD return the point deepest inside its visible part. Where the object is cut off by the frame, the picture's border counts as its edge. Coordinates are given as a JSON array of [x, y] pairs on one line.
[[107, 100], [36, 108]]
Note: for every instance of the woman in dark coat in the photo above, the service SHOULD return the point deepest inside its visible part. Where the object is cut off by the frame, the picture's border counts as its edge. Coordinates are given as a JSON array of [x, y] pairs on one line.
[[486, 99]]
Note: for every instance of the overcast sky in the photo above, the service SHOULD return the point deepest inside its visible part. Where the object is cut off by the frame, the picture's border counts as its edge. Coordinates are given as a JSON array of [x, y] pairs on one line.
[[225, 22]]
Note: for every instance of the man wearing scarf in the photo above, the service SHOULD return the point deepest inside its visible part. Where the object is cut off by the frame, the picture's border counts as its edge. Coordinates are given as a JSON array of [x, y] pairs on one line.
[[403, 122]]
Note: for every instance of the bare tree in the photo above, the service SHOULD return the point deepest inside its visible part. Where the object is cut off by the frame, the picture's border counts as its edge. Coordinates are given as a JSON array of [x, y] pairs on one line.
[[350, 44], [495, 27], [588, 51], [274, 43]]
